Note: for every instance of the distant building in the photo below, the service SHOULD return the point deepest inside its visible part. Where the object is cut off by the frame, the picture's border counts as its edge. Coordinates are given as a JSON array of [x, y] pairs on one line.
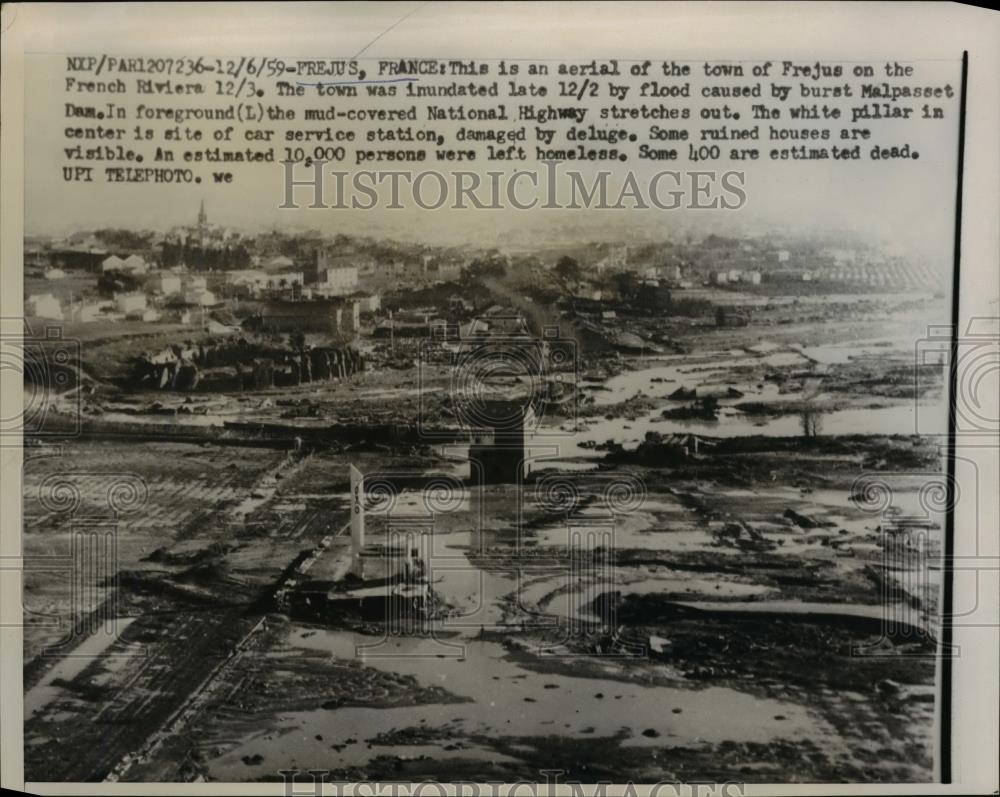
[[721, 278], [127, 303], [55, 274], [334, 280], [616, 259], [201, 297], [44, 305], [255, 279], [329, 316], [197, 283], [369, 303], [135, 265], [448, 270], [286, 278], [168, 283], [112, 263], [753, 277], [840, 256]]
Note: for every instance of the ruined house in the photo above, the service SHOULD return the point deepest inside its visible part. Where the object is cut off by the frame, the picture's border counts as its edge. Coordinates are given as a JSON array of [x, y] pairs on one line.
[[497, 454]]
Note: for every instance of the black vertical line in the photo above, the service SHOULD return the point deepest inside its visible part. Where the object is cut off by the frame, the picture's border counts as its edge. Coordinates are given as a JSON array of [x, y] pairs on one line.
[[947, 596]]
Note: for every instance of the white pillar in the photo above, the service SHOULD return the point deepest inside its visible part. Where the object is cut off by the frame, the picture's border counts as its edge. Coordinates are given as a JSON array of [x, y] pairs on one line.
[[357, 521]]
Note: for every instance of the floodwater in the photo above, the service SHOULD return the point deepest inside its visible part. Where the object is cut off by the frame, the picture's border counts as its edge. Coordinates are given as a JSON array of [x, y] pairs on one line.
[[712, 371], [504, 699], [715, 372]]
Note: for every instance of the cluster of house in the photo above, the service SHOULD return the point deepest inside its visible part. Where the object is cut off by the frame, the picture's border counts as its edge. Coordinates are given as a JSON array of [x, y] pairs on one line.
[[177, 290], [892, 273], [669, 275], [133, 264], [413, 272], [735, 275], [139, 305], [326, 278], [728, 261], [859, 266]]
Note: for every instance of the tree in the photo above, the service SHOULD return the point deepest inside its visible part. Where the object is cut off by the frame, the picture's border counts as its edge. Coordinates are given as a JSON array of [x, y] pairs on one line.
[[123, 240], [112, 282], [567, 268], [626, 285], [811, 423], [176, 302], [493, 265]]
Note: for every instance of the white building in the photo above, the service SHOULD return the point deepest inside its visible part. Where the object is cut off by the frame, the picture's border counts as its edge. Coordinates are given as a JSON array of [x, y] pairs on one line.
[[169, 283], [449, 271], [753, 277], [197, 283], [55, 274], [370, 303], [285, 279], [254, 278], [840, 256], [721, 278], [112, 263], [126, 303], [200, 297], [135, 264], [44, 305], [338, 280]]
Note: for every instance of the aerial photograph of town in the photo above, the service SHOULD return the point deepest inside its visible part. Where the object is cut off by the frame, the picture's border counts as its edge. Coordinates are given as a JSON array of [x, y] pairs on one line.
[[304, 500]]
